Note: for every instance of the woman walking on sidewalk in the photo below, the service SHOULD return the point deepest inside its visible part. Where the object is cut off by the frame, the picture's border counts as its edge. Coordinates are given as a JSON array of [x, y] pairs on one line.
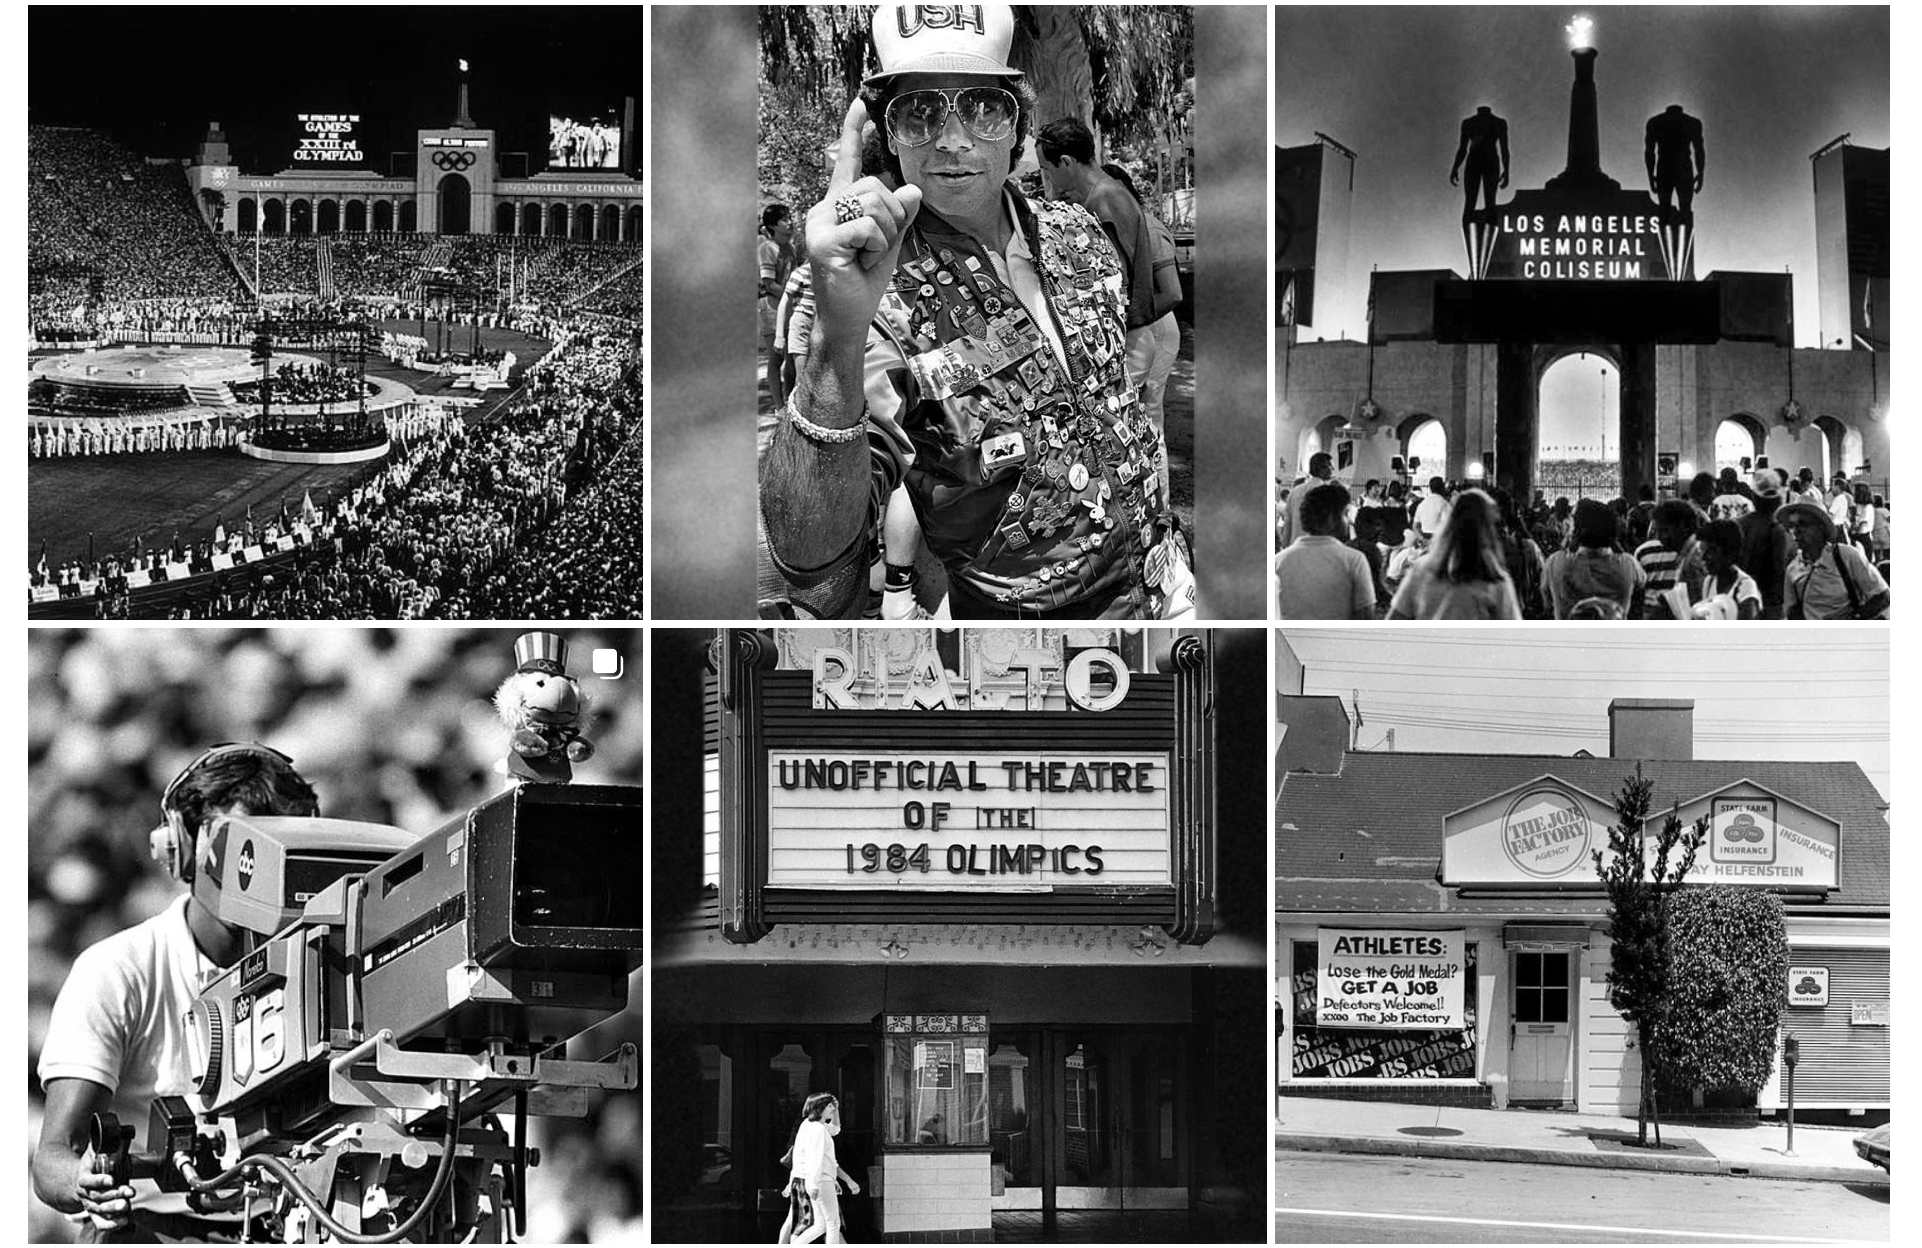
[[814, 1171]]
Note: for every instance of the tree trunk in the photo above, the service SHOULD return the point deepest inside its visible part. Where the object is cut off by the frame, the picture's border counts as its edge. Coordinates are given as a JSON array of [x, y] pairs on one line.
[[1641, 1099]]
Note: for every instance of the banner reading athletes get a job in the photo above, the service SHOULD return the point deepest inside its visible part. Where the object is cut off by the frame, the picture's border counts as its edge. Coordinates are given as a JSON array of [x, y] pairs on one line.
[[1392, 979]]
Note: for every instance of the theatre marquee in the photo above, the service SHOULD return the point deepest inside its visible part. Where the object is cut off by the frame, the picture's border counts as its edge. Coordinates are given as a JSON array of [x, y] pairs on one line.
[[925, 806]]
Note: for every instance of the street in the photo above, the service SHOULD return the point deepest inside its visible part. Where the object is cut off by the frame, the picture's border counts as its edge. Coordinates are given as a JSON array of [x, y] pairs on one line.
[[1324, 1198]]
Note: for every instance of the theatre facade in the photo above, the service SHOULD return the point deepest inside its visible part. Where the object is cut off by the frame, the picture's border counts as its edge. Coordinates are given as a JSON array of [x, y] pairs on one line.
[[1442, 935], [970, 881]]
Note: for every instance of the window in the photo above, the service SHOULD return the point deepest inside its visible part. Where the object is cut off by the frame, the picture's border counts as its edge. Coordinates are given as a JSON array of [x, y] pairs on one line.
[[1541, 987], [937, 1090]]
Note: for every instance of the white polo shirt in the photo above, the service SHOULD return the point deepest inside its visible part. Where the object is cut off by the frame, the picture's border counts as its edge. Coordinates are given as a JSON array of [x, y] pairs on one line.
[[121, 1018]]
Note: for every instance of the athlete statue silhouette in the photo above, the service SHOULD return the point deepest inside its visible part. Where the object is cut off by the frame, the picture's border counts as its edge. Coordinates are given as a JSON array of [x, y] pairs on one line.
[[1671, 141], [1484, 147]]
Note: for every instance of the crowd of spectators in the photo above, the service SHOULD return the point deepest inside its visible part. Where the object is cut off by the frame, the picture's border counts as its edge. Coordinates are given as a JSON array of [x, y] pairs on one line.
[[619, 295], [368, 265], [390, 726], [551, 272], [105, 225], [287, 264], [540, 505], [1720, 546]]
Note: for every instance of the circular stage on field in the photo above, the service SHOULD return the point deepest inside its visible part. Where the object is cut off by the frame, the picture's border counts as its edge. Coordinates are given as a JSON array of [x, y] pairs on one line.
[[149, 368], [169, 385]]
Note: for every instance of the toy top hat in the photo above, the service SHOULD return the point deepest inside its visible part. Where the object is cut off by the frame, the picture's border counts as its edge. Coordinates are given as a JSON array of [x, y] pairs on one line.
[[541, 652]]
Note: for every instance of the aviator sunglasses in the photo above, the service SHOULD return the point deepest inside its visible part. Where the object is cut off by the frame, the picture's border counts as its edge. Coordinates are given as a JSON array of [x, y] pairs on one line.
[[915, 117]]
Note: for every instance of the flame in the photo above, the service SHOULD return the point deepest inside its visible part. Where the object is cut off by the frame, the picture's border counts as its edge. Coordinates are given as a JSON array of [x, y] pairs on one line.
[[1578, 33]]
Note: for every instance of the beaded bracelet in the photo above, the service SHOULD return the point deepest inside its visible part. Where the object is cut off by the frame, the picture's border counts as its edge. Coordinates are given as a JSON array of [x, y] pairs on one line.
[[821, 433]]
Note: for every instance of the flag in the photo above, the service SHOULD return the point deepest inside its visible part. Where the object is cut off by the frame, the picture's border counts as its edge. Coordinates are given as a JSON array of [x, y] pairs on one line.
[[220, 533], [307, 510], [40, 565], [1288, 302]]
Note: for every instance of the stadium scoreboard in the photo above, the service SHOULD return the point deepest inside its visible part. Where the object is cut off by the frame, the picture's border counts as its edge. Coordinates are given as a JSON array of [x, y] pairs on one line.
[[329, 138]]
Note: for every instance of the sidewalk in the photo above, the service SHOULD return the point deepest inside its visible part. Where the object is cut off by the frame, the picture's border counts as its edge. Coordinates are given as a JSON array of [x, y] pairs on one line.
[[1825, 1154]]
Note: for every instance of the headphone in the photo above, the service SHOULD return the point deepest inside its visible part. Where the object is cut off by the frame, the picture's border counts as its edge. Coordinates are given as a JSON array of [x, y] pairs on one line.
[[172, 843]]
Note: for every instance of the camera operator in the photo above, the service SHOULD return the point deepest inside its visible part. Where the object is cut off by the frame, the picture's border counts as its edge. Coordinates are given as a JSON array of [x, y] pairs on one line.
[[118, 1036]]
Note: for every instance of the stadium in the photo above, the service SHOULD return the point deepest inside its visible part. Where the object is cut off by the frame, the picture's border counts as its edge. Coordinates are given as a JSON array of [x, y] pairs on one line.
[[370, 348]]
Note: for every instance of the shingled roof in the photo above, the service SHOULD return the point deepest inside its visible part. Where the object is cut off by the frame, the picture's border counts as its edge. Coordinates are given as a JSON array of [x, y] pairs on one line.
[[1369, 839]]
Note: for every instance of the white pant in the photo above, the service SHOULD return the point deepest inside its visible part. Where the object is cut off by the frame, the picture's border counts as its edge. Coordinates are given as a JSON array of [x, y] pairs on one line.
[[1152, 350]]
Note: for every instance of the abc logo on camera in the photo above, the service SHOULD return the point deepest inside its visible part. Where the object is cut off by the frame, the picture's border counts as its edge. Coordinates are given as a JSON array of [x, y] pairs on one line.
[[244, 866]]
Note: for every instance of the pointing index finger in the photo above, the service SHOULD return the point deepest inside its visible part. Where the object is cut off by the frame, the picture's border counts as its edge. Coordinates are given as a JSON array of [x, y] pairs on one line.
[[847, 161]]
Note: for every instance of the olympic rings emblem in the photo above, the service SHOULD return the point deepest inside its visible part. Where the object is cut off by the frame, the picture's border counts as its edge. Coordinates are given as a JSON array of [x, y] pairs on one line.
[[453, 160]]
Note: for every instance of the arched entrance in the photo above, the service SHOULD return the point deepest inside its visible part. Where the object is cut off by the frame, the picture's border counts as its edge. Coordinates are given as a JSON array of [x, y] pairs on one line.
[[327, 220], [633, 232], [584, 221], [406, 225], [456, 204], [1578, 451], [610, 222], [1315, 439], [504, 217], [300, 217], [247, 217], [356, 216], [274, 217], [530, 219], [557, 221], [1853, 457], [383, 216], [1740, 440], [1831, 445], [1424, 445]]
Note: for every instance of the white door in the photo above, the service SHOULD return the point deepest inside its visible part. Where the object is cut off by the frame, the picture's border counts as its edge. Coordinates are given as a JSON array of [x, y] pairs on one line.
[[1541, 1043]]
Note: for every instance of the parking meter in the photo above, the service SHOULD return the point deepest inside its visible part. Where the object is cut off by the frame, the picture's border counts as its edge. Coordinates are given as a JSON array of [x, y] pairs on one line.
[[1791, 1051]]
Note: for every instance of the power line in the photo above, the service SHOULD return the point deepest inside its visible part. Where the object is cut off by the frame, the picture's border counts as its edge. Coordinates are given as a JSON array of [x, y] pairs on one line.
[[1491, 638], [1453, 698], [1440, 671]]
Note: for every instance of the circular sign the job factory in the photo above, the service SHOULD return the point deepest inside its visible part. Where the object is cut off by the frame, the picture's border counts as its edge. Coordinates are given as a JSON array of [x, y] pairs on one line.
[[1545, 833]]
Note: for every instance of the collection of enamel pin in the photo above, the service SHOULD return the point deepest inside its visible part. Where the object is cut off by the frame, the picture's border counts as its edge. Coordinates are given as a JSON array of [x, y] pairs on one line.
[[1085, 454]]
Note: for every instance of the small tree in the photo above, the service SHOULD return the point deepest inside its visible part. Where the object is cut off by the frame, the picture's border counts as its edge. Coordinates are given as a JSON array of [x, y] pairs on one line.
[[1730, 962], [1639, 893]]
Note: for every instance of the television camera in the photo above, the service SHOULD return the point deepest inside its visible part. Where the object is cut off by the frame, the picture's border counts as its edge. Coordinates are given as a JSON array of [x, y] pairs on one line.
[[401, 995]]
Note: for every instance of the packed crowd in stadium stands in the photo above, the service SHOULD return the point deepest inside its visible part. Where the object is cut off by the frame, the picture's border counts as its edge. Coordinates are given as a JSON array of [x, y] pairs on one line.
[[388, 728], [559, 473], [1720, 546], [96, 208], [287, 265], [538, 506], [372, 264], [619, 295], [587, 564]]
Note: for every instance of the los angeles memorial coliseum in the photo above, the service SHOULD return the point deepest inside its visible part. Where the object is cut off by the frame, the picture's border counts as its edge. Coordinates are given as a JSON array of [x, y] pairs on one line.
[[333, 391]]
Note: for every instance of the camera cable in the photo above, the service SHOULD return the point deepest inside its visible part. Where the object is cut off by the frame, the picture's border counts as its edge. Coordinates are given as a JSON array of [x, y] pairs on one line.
[[443, 1173]]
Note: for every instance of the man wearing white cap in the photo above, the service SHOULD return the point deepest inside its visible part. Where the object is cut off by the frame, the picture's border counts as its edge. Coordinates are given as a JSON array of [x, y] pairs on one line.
[[1829, 578], [970, 345]]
